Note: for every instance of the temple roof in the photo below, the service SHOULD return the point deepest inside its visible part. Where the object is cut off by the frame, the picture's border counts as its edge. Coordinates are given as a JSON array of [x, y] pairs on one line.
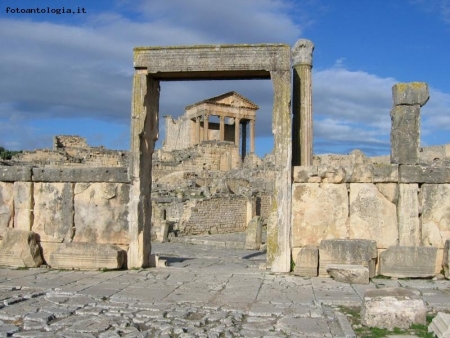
[[230, 99]]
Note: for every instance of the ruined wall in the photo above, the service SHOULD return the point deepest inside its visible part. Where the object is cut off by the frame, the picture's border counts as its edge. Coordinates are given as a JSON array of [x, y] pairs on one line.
[[401, 203], [66, 205]]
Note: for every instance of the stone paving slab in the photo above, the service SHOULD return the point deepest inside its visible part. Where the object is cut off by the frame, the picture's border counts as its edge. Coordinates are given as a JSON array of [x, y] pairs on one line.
[[204, 292]]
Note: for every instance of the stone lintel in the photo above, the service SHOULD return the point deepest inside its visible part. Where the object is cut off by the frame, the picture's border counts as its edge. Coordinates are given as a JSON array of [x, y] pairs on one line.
[[213, 61], [106, 174], [15, 173], [424, 174]]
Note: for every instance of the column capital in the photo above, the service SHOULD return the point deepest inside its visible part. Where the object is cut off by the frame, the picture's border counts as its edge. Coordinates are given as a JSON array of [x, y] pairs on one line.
[[302, 53]]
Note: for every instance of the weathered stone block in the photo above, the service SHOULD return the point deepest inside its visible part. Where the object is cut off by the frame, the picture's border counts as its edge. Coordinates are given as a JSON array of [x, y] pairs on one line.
[[440, 325], [389, 191], [23, 205], [435, 217], [304, 174], [87, 256], [405, 134], [388, 308], [408, 261], [53, 211], [384, 173], [319, 211], [362, 173], [307, 263], [101, 213], [410, 94], [347, 273], [372, 216], [253, 234], [446, 260], [19, 248], [347, 251], [15, 173], [6, 206], [333, 173], [107, 174], [408, 215], [424, 174]]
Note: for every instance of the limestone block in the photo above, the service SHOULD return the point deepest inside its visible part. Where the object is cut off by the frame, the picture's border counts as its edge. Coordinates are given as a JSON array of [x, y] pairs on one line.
[[19, 248], [6, 207], [319, 211], [53, 211], [307, 262], [23, 205], [440, 325], [405, 134], [101, 212], [435, 217], [304, 174], [411, 94], [446, 260], [96, 174], [408, 215], [15, 173], [424, 174], [362, 173], [389, 191], [385, 172], [333, 173], [347, 273], [253, 234], [388, 308], [347, 251], [372, 216], [408, 261], [87, 256]]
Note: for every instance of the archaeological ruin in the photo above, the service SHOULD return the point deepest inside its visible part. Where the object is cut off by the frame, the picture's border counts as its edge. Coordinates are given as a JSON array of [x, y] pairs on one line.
[[85, 207]]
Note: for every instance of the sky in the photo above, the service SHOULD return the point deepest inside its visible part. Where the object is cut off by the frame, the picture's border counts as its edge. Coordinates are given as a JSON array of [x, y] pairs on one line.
[[71, 73]]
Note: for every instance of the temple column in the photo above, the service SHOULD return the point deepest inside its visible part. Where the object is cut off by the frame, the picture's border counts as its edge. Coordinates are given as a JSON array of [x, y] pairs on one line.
[[205, 127], [252, 136], [237, 123], [244, 139], [222, 129], [197, 130], [302, 134]]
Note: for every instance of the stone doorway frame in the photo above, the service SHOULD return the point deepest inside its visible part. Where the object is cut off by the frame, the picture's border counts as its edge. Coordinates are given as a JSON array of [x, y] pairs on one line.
[[208, 62]]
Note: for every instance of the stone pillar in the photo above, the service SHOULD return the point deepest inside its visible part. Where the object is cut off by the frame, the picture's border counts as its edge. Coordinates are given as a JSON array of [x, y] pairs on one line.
[[302, 134], [405, 117], [409, 232], [205, 127], [222, 128], [197, 130], [252, 136], [244, 139], [144, 133], [279, 221], [237, 123]]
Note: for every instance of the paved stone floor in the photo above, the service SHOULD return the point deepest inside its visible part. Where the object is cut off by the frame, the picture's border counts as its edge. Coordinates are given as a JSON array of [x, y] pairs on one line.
[[204, 292]]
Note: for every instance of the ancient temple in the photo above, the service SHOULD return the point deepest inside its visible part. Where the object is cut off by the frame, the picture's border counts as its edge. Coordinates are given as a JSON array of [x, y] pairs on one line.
[[223, 118]]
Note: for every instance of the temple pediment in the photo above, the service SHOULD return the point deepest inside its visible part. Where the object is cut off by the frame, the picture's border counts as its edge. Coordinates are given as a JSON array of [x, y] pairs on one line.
[[230, 99]]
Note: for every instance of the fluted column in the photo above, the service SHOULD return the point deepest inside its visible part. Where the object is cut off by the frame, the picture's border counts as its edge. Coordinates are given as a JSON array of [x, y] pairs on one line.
[[252, 136], [205, 127], [302, 133], [197, 130], [237, 123], [222, 129]]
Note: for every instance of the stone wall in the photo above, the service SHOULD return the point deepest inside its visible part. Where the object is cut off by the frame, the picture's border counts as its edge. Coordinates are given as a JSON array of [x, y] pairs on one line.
[[401, 203], [66, 205]]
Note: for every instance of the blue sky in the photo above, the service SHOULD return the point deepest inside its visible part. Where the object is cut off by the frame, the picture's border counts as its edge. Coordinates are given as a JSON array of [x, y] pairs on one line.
[[72, 73]]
